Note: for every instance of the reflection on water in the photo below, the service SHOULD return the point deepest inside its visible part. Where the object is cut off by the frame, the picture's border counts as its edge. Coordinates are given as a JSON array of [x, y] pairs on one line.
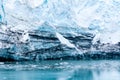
[[61, 70]]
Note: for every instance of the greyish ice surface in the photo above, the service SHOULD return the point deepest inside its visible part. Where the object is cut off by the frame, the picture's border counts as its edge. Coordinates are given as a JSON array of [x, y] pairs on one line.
[[59, 29]]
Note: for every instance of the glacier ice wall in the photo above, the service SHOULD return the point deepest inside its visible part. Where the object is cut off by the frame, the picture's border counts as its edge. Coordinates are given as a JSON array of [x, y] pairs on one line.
[[62, 27], [99, 16]]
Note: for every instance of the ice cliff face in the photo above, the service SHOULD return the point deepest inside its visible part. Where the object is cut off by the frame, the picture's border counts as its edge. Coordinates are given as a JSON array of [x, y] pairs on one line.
[[54, 29]]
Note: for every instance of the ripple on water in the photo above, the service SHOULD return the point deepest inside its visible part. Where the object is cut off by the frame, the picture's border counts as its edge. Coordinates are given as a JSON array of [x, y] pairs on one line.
[[61, 65]]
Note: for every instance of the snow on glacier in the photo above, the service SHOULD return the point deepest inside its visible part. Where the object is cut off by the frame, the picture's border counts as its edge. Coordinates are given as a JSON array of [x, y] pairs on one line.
[[97, 15]]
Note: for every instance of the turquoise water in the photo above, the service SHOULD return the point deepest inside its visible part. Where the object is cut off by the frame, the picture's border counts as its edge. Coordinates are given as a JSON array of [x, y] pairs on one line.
[[61, 70]]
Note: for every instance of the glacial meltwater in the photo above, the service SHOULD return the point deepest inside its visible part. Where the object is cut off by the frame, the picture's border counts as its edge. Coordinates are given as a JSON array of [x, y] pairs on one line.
[[61, 70]]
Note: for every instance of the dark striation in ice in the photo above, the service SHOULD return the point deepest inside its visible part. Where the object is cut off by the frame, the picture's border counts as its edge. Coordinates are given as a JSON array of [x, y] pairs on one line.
[[41, 44], [44, 45]]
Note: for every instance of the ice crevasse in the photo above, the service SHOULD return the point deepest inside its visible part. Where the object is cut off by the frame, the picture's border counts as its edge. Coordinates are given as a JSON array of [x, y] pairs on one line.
[[59, 29]]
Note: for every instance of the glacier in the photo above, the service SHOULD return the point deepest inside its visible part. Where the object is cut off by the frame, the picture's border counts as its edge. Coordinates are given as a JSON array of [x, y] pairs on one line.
[[59, 29]]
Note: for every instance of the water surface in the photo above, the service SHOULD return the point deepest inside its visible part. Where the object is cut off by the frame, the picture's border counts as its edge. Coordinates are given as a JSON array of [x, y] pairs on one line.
[[61, 70]]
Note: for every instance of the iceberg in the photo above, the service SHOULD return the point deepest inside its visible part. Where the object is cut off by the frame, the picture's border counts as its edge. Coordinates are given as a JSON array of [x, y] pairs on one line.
[[59, 29]]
